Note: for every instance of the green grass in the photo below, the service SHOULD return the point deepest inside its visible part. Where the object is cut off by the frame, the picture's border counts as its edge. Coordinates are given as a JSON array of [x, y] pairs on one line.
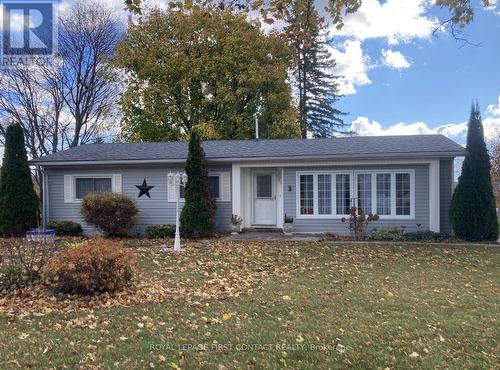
[[304, 305]]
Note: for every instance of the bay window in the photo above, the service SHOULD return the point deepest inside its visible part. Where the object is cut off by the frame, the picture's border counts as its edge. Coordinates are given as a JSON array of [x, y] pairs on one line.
[[365, 192], [343, 200], [330, 194], [384, 194], [403, 203], [325, 194], [306, 194]]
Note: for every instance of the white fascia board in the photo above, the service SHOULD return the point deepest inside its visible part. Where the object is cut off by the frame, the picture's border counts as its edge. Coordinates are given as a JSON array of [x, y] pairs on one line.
[[264, 161]]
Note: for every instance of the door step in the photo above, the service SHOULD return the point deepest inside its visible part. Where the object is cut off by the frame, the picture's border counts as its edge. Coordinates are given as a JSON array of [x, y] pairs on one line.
[[263, 230]]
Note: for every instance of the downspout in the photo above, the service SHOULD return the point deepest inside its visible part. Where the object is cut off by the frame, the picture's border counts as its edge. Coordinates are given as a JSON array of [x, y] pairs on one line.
[[45, 199]]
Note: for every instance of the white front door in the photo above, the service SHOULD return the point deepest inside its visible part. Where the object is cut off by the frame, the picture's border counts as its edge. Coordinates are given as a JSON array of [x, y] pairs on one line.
[[264, 195]]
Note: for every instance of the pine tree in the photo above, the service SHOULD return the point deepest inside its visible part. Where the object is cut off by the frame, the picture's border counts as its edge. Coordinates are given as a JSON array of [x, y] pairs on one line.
[[19, 203], [198, 215], [472, 212], [317, 86]]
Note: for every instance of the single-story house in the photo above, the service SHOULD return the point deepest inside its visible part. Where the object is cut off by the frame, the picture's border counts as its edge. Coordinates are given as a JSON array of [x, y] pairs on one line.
[[406, 180]]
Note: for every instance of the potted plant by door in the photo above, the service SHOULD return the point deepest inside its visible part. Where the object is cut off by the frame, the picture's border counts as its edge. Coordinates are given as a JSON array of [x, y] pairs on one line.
[[288, 225], [236, 222]]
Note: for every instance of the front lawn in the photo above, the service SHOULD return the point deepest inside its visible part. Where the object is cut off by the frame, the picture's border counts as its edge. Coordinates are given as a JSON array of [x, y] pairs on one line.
[[273, 305]]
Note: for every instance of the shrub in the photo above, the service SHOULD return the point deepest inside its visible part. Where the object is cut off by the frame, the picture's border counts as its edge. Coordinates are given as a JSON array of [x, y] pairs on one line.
[[66, 228], [425, 236], [97, 265], [358, 221], [23, 262], [112, 213], [160, 231], [393, 234], [390, 234]]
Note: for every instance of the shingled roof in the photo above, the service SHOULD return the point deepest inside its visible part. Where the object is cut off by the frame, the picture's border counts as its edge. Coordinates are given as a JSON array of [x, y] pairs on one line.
[[344, 147]]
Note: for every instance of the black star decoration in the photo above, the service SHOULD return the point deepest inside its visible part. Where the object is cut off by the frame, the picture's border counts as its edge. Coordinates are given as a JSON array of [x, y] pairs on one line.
[[144, 189]]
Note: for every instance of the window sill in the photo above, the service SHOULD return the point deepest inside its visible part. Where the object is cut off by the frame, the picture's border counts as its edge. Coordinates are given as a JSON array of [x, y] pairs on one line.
[[340, 217]]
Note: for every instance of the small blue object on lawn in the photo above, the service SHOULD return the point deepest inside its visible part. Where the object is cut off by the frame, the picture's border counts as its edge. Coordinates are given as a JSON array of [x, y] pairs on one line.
[[47, 236]]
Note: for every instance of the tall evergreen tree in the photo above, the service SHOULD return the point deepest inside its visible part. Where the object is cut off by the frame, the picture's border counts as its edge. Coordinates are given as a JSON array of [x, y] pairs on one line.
[[316, 84], [19, 203], [472, 212], [198, 215]]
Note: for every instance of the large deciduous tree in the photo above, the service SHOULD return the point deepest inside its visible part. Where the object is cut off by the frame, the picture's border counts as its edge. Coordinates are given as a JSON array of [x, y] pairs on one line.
[[198, 214], [71, 100], [313, 71], [472, 212], [19, 203], [207, 69]]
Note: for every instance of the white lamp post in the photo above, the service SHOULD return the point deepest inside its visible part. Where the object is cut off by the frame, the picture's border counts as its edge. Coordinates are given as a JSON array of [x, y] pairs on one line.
[[175, 181]]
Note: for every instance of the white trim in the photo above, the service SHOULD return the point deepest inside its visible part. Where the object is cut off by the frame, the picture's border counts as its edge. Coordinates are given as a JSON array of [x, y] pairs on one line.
[[116, 183], [71, 192], [281, 200], [434, 201], [274, 174], [219, 175], [353, 189], [265, 161], [236, 190], [45, 200], [101, 176]]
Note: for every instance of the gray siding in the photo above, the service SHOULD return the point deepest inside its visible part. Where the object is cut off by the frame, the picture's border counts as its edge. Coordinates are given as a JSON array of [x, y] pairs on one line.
[[335, 225], [156, 210], [445, 193]]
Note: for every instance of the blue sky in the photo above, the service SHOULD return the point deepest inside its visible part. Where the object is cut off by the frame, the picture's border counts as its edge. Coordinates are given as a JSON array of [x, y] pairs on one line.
[[399, 78], [402, 79]]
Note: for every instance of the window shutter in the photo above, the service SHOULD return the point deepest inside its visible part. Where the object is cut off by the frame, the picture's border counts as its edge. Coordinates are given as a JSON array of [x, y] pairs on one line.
[[171, 192], [226, 186], [117, 183], [68, 189]]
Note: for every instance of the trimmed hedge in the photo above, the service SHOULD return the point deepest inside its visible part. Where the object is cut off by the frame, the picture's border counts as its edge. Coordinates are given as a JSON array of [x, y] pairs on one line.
[[66, 228], [113, 213], [160, 231], [392, 234], [386, 234]]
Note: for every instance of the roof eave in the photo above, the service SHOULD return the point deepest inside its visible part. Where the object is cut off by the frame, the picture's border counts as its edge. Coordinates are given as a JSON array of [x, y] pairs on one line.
[[421, 155]]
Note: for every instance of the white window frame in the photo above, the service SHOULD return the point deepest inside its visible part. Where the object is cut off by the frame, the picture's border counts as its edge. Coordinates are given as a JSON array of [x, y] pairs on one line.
[[354, 192], [101, 176], [219, 198], [219, 175]]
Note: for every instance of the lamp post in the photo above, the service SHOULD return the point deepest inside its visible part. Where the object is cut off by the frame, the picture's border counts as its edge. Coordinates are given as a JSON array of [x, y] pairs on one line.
[[176, 180]]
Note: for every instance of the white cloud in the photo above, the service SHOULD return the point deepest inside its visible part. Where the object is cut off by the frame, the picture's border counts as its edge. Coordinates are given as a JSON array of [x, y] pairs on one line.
[[394, 59], [399, 21], [352, 65], [392, 21], [493, 109], [363, 126]]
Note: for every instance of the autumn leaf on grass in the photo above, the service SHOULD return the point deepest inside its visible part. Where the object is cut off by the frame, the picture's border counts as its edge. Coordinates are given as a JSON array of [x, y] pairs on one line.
[[23, 335], [226, 316]]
